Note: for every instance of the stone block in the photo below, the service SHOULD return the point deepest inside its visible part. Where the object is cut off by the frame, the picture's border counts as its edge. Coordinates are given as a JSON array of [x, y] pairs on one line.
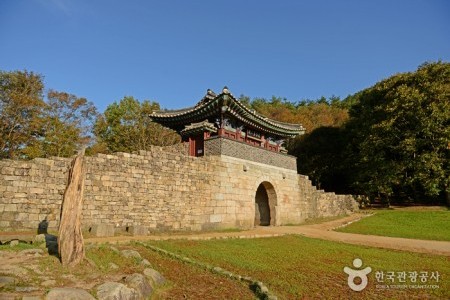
[[215, 218], [101, 230], [36, 190], [10, 207], [138, 230]]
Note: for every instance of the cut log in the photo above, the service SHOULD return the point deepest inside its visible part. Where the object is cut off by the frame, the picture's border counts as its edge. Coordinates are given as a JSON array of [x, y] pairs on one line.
[[70, 238]]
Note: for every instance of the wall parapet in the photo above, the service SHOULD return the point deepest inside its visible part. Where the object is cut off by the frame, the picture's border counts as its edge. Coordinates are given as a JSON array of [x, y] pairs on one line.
[[225, 146]]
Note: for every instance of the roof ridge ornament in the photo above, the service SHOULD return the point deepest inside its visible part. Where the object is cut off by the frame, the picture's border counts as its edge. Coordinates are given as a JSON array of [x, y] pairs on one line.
[[225, 90], [211, 93]]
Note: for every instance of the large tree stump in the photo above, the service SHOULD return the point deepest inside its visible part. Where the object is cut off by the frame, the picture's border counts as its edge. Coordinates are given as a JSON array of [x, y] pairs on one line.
[[70, 238]]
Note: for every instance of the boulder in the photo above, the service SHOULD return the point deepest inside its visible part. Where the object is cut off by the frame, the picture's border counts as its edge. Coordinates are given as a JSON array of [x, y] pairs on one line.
[[146, 263], [155, 276], [49, 282], [140, 283], [68, 294], [6, 280], [131, 253], [40, 238], [116, 291]]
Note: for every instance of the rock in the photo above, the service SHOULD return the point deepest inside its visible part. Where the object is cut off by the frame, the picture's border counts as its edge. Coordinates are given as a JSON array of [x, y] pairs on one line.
[[26, 289], [155, 276], [5, 280], [113, 266], [68, 294], [138, 230], [116, 291], [131, 253], [13, 270], [48, 283], [140, 283], [146, 263], [32, 251], [14, 243], [40, 238], [103, 230]]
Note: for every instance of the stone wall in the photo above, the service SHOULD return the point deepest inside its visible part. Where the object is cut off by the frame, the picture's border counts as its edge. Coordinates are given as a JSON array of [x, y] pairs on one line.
[[228, 147], [161, 191], [31, 191]]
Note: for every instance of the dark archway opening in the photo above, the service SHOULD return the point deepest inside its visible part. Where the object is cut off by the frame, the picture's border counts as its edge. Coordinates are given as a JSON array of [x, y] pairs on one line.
[[262, 208]]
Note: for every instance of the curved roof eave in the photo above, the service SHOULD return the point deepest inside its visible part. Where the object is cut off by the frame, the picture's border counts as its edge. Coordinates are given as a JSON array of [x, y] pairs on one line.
[[176, 117]]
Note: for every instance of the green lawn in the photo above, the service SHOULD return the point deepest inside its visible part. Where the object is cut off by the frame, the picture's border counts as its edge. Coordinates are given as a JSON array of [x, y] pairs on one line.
[[422, 224], [296, 267]]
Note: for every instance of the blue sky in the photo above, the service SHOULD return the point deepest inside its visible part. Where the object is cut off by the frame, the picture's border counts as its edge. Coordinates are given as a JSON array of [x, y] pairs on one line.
[[172, 51]]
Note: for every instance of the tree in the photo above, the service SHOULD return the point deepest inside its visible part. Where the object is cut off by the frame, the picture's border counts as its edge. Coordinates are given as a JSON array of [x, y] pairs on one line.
[[70, 238], [126, 127], [21, 103], [400, 132], [321, 155], [311, 114], [66, 124]]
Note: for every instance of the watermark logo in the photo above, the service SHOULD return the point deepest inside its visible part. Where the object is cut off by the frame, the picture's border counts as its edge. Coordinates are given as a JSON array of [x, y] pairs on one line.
[[354, 274]]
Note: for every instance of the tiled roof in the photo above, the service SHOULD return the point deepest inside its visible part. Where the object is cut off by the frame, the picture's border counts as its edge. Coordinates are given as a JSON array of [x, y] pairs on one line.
[[211, 105], [198, 127]]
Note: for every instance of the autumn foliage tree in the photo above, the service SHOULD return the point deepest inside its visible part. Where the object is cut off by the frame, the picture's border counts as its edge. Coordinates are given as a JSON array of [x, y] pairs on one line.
[[311, 114], [66, 125], [36, 126], [126, 127], [21, 104]]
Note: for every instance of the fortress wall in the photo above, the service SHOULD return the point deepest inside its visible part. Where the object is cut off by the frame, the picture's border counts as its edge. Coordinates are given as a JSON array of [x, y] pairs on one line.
[[31, 191], [160, 190]]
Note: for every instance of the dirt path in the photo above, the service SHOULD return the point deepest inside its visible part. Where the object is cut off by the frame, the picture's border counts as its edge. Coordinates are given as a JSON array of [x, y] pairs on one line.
[[321, 231]]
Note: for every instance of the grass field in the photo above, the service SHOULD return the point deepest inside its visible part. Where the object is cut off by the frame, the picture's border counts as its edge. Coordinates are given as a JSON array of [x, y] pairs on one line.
[[421, 224], [295, 267], [184, 281]]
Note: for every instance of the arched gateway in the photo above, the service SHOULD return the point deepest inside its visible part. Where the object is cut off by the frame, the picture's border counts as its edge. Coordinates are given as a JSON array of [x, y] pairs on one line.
[[265, 202]]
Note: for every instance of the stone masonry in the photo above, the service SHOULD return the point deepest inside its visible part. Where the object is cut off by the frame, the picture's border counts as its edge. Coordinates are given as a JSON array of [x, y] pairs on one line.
[[228, 147], [161, 191]]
